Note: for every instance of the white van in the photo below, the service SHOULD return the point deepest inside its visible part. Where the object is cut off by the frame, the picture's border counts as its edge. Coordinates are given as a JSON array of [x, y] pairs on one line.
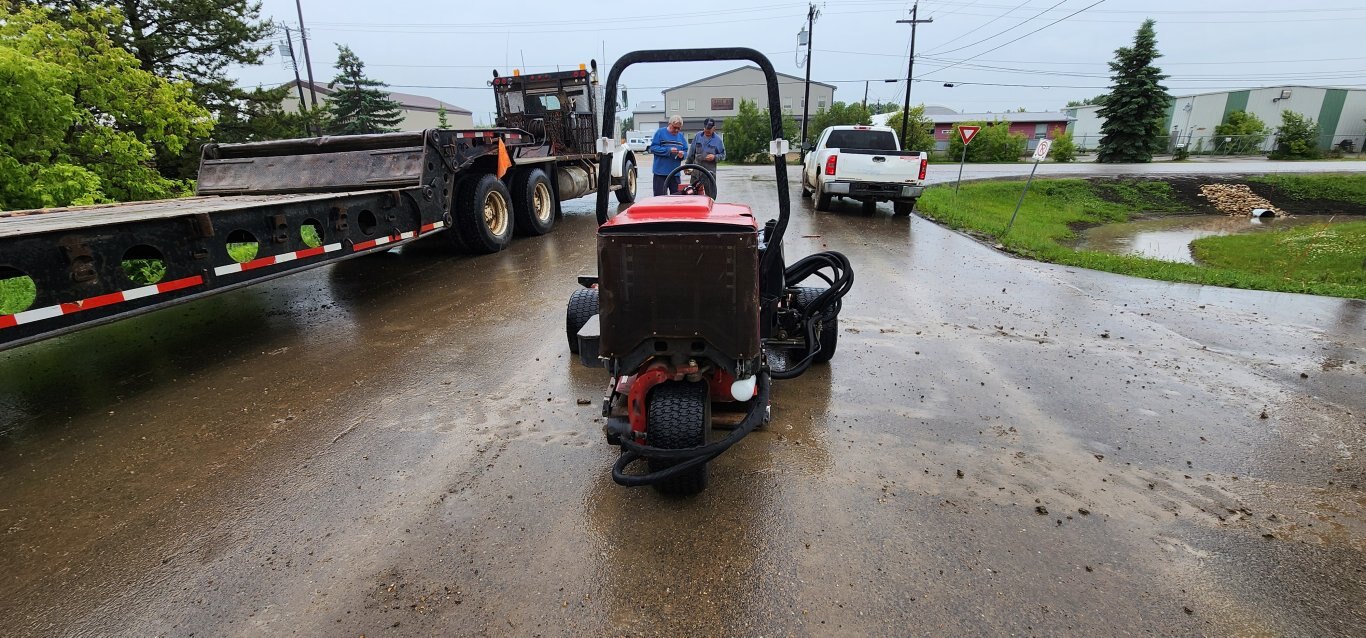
[[638, 144]]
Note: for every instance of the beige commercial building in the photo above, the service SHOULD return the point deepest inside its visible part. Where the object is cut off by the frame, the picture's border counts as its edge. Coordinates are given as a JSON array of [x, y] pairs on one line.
[[719, 96], [419, 112]]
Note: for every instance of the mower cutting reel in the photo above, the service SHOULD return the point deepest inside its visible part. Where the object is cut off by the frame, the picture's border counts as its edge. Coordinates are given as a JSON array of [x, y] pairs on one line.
[[694, 305]]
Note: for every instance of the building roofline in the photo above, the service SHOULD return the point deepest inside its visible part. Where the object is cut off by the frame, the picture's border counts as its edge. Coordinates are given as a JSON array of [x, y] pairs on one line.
[[326, 89], [741, 68]]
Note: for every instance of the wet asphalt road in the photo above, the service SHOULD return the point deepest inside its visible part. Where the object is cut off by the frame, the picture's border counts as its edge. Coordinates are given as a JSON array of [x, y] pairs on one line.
[[393, 446]]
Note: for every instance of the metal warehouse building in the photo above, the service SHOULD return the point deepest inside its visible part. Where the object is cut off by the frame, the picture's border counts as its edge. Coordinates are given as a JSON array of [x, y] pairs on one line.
[[1340, 113]]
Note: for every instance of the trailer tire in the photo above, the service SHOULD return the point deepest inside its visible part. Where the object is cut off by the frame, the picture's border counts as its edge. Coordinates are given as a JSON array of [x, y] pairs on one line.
[[583, 304], [903, 208], [533, 202], [678, 415], [627, 193], [483, 214], [830, 330]]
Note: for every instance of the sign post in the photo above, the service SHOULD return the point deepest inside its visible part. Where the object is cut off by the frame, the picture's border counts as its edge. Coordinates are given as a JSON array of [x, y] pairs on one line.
[[1040, 152], [967, 133]]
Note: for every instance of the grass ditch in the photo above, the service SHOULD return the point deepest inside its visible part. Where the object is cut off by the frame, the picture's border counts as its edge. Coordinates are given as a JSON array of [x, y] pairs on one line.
[[1314, 261]]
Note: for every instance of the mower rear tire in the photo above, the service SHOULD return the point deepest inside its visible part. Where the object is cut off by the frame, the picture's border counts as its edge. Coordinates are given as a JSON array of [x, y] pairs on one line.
[[830, 330], [583, 304], [678, 415]]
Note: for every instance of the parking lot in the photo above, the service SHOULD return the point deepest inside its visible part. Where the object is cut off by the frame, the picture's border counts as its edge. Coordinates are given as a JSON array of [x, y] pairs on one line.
[[396, 445]]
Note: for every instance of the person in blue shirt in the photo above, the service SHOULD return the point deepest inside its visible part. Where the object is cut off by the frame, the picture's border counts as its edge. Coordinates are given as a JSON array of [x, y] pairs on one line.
[[707, 149], [669, 146]]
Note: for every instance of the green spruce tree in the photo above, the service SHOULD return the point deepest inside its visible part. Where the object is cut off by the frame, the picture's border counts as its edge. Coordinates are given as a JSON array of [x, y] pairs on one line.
[[357, 107], [1137, 103], [441, 121]]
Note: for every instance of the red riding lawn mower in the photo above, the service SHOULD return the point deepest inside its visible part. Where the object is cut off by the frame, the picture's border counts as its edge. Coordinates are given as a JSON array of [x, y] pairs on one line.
[[693, 304]]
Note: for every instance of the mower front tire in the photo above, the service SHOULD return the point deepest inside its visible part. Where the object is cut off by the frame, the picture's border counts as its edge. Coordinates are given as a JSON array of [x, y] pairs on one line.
[[678, 415], [830, 330], [583, 304]]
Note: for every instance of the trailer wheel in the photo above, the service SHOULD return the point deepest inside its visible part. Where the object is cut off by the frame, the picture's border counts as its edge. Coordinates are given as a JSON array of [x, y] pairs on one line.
[[903, 208], [830, 330], [678, 414], [583, 304], [533, 202], [483, 214], [627, 193]]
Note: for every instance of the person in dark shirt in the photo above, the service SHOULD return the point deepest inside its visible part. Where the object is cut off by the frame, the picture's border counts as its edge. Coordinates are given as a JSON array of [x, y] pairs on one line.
[[707, 149]]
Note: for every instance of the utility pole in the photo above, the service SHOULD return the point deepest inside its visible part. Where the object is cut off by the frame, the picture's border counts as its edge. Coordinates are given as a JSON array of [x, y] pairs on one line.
[[303, 36], [910, 67], [811, 14], [865, 95], [298, 84]]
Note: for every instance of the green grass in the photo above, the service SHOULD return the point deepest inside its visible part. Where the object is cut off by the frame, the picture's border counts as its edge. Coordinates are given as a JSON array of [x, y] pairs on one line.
[[1055, 208], [144, 272], [1344, 188], [1324, 253], [243, 252], [17, 294]]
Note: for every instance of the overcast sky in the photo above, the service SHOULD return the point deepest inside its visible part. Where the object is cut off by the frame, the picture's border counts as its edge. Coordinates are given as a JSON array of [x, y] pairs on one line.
[[448, 50]]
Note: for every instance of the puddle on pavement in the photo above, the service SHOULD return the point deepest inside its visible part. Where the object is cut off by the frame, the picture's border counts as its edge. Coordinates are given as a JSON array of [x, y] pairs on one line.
[[1169, 238]]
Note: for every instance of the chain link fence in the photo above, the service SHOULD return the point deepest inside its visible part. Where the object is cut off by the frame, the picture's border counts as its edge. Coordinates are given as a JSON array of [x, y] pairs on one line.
[[1232, 145]]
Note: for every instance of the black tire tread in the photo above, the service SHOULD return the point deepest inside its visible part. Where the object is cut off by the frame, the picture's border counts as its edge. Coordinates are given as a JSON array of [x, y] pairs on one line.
[[469, 216], [624, 197], [678, 415], [524, 203], [583, 304], [903, 208]]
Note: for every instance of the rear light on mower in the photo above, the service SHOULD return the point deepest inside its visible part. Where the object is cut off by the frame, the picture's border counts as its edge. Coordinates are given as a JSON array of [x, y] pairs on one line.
[[830, 163], [924, 164]]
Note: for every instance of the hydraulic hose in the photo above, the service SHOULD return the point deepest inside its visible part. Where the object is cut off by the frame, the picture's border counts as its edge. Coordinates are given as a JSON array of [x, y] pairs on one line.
[[692, 456], [825, 307]]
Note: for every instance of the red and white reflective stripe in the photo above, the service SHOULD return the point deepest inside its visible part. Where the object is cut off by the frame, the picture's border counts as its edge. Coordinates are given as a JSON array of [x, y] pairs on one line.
[[275, 259], [380, 241], [478, 134], [39, 314]]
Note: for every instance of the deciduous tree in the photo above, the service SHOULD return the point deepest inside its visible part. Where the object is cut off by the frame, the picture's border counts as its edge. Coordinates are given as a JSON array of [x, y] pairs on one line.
[[79, 117]]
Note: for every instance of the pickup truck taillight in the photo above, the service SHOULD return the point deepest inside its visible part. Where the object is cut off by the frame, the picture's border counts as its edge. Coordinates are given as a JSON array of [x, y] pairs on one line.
[[830, 163], [924, 164]]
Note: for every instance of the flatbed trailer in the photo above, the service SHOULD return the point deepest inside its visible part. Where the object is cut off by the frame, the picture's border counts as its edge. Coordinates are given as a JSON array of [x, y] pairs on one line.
[[268, 209]]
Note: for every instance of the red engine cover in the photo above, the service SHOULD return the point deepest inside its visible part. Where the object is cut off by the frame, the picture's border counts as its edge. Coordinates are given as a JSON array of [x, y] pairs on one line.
[[692, 209]]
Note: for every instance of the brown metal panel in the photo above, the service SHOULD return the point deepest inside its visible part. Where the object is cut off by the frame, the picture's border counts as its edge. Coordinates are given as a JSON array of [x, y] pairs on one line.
[[700, 285], [312, 173], [18, 223]]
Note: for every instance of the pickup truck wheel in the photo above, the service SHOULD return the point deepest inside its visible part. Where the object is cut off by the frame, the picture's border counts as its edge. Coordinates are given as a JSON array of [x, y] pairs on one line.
[[677, 415], [869, 208], [903, 208], [627, 193], [533, 202], [806, 192], [483, 214], [583, 304], [822, 200]]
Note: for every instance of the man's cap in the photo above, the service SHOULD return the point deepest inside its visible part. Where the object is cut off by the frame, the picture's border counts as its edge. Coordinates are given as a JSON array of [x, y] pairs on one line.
[[708, 123]]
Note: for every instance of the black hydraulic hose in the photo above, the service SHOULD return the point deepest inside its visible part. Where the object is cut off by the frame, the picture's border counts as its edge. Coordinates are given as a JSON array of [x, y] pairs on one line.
[[693, 456], [825, 307]]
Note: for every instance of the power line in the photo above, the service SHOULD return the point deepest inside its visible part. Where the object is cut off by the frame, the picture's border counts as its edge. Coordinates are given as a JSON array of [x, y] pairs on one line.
[[1023, 36], [996, 35], [988, 22]]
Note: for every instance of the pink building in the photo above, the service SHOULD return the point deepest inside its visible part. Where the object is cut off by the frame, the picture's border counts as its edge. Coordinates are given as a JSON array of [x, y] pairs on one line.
[[1032, 125]]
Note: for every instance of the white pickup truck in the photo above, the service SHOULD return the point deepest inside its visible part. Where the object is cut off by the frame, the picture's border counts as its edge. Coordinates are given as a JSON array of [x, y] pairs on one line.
[[864, 163]]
